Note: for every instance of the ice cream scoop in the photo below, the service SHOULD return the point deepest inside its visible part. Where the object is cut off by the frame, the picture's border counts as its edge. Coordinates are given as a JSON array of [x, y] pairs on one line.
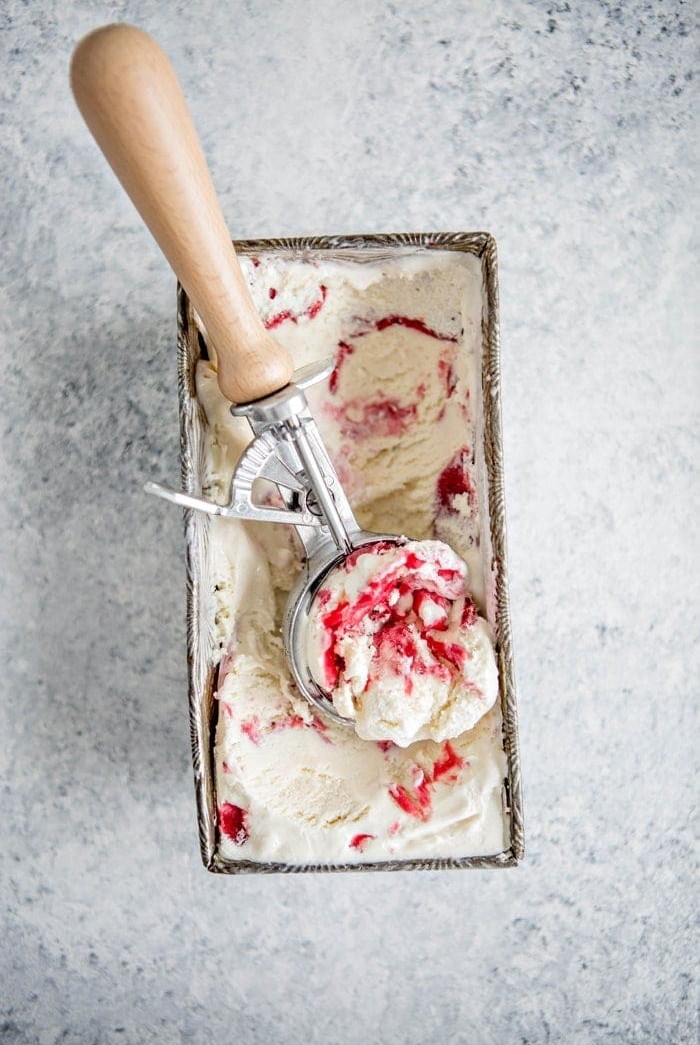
[[132, 103], [396, 638]]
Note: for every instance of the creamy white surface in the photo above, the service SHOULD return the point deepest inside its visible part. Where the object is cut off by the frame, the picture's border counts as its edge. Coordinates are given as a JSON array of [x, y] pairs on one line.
[[310, 788]]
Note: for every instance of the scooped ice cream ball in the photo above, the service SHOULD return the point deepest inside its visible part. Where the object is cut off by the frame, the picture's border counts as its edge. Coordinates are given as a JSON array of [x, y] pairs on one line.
[[396, 641]]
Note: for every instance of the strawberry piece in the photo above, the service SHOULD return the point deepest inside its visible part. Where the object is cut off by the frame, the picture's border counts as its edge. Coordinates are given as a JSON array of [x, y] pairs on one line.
[[404, 801], [448, 762], [455, 480], [359, 842], [233, 821]]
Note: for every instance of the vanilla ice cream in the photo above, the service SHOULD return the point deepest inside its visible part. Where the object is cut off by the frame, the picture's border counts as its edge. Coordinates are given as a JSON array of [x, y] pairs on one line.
[[402, 420], [396, 641]]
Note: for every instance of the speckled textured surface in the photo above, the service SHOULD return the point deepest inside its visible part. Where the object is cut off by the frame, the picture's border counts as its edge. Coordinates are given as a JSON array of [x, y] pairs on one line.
[[565, 130]]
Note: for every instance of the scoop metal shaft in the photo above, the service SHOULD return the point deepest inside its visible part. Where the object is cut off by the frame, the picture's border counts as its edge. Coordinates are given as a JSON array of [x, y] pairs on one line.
[[287, 450]]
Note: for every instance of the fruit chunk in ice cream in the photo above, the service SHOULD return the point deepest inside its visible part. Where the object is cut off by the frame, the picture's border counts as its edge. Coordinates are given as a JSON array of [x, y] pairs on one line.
[[397, 642]]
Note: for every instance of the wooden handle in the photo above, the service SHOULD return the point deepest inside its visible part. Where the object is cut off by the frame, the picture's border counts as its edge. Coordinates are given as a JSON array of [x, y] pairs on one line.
[[130, 99]]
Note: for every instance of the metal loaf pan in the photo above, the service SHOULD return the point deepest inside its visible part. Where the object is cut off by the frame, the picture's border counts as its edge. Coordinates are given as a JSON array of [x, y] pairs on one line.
[[202, 674]]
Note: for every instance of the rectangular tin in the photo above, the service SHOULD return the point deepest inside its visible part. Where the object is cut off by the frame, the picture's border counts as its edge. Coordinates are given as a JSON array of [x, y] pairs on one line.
[[202, 674]]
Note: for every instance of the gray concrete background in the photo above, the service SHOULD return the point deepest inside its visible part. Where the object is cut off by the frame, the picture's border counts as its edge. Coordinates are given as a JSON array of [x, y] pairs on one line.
[[566, 130]]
